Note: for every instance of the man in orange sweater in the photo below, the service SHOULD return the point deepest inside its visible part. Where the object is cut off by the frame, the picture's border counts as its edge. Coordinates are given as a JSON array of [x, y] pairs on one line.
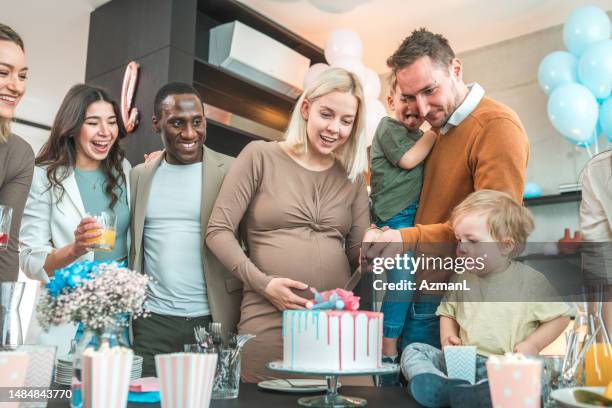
[[481, 144]]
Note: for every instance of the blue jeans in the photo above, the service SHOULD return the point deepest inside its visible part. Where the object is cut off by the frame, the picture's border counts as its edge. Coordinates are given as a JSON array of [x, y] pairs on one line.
[[421, 323], [395, 305]]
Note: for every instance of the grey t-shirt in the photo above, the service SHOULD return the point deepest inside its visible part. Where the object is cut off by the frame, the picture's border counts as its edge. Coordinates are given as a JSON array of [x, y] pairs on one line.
[[393, 188], [173, 242]]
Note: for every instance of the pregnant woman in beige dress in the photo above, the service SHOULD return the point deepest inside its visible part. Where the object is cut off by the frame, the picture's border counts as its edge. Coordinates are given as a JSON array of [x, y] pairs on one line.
[[301, 209]]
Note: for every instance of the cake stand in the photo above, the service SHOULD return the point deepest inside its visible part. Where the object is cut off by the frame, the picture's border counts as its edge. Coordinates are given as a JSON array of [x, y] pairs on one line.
[[332, 398]]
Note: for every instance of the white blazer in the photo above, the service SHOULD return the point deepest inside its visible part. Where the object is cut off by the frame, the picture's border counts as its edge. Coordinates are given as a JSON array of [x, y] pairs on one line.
[[49, 223]]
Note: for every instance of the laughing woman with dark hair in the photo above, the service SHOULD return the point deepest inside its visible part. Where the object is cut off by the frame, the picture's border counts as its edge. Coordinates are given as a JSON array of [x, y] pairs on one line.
[[16, 156], [80, 170]]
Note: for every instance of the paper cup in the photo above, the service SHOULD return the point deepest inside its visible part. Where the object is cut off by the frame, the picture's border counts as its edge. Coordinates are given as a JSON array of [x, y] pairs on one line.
[[106, 378], [186, 379], [515, 382], [13, 369], [40, 366], [461, 362], [40, 370]]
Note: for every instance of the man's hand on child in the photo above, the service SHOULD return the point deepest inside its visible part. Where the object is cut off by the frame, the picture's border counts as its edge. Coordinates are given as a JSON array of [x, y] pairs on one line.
[[451, 341], [526, 348]]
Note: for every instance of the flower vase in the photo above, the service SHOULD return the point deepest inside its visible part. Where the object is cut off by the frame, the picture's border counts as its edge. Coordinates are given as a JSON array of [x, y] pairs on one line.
[[98, 339]]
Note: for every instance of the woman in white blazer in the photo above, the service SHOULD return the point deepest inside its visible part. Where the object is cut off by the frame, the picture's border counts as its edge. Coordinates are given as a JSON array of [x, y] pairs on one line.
[[81, 169]]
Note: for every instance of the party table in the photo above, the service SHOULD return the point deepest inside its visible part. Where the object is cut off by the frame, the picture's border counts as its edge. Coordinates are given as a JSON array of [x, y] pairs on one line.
[[253, 397]]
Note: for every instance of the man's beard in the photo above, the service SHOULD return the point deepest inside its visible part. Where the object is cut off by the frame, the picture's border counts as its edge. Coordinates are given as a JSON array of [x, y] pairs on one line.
[[449, 110]]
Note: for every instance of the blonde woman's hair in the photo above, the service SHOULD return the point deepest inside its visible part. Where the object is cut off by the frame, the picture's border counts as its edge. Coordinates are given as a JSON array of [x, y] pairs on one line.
[[352, 154], [506, 219]]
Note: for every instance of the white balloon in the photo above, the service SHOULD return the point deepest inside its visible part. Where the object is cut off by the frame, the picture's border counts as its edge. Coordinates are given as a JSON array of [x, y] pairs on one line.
[[343, 43], [375, 111], [352, 65], [371, 84], [313, 72], [336, 6]]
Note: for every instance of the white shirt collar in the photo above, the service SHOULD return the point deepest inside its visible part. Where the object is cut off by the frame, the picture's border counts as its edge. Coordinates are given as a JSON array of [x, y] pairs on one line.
[[472, 99]]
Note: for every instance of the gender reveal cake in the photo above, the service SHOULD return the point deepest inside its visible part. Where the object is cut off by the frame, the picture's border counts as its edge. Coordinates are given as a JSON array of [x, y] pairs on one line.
[[332, 335]]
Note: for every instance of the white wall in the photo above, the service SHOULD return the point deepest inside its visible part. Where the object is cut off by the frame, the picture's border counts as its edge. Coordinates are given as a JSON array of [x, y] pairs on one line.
[[55, 35], [508, 72]]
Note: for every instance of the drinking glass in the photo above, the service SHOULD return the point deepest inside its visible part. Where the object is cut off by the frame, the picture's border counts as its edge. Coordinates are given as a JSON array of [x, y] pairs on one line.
[[6, 215], [108, 224], [227, 374], [552, 378]]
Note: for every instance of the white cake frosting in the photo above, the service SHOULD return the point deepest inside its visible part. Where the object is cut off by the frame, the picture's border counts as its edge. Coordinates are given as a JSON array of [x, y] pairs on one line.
[[332, 339]]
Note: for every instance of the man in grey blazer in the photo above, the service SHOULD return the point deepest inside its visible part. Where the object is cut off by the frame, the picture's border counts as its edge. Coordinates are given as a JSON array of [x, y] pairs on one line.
[[172, 197]]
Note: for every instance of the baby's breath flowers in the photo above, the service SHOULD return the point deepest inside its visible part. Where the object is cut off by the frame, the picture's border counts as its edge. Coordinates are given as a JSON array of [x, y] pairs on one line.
[[98, 295]]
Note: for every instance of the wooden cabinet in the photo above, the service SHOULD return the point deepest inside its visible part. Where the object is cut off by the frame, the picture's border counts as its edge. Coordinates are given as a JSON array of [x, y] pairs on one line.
[[169, 39]]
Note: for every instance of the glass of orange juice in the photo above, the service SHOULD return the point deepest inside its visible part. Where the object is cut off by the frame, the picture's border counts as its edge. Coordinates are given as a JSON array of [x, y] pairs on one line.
[[598, 365], [106, 241]]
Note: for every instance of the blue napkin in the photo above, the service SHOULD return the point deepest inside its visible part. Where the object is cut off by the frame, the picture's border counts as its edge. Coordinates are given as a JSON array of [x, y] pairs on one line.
[[152, 397]]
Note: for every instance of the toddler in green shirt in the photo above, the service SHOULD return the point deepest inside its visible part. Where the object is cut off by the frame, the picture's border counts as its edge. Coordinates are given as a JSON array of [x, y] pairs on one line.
[[398, 150]]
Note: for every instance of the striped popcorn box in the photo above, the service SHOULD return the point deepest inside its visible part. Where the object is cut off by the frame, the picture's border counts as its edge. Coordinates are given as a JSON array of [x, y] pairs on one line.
[[13, 369], [186, 379], [461, 362], [106, 377], [514, 381]]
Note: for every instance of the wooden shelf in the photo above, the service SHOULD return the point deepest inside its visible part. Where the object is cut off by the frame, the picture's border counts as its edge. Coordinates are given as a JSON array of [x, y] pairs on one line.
[[238, 95], [226, 139], [231, 92], [170, 41], [225, 11], [554, 199]]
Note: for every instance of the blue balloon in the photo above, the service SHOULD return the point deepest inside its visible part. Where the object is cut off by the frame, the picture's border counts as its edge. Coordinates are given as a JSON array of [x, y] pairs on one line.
[[595, 68], [557, 68], [598, 130], [605, 118], [573, 111], [585, 143], [532, 190], [586, 25]]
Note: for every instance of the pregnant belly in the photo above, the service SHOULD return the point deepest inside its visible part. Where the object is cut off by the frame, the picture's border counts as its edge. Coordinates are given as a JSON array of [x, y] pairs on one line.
[[313, 258]]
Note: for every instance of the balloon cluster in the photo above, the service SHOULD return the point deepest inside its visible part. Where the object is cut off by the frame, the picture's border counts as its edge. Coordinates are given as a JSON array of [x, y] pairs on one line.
[[343, 49], [579, 81]]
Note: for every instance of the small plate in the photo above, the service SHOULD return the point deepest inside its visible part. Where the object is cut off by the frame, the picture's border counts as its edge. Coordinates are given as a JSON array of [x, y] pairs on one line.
[[295, 385], [565, 396]]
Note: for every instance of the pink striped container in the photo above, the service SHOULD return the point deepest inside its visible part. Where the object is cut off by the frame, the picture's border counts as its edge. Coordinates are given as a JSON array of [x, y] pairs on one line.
[[106, 378], [186, 379]]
